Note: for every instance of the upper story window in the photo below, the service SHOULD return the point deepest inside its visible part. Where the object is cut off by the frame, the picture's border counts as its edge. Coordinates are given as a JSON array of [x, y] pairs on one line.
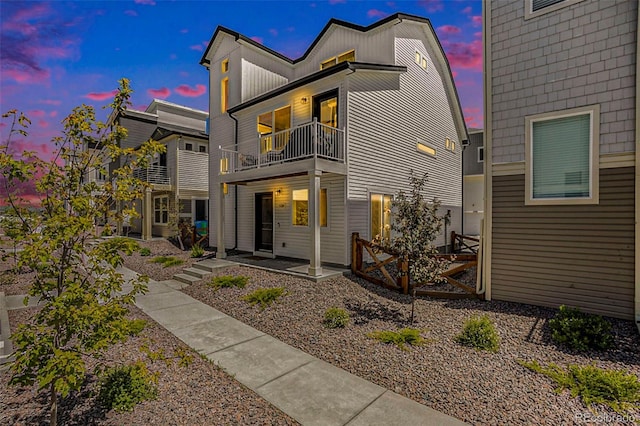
[[349, 56], [188, 146], [202, 148], [224, 66], [421, 60], [273, 128], [450, 145], [426, 147], [224, 86], [481, 154], [533, 8], [561, 157]]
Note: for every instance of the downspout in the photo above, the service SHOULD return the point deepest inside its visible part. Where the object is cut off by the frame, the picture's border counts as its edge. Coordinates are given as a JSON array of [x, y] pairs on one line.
[[235, 197]]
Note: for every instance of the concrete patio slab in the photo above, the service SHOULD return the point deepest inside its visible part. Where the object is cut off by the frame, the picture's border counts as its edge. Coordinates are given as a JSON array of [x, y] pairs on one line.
[[153, 302], [17, 302], [405, 412], [320, 394], [326, 273], [215, 335], [176, 317], [260, 360]]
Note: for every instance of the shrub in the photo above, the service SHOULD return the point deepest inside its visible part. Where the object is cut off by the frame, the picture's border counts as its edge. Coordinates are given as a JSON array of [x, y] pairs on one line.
[[616, 389], [123, 387], [197, 250], [167, 261], [479, 333], [264, 296], [335, 318], [580, 331], [145, 251], [228, 281], [399, 338], [106, 231]]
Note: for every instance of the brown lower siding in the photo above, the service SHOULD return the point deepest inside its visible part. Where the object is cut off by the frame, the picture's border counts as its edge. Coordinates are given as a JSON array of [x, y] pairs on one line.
[[574, 255]]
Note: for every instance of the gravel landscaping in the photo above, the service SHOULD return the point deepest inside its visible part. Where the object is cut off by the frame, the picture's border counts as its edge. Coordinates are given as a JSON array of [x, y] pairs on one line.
[[200, 394], [478, 387]]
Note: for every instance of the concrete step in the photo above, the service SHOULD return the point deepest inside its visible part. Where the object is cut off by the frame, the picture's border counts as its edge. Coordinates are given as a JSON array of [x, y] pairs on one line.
[[186, 279], [174, 284], [210, 265], [196, 272]]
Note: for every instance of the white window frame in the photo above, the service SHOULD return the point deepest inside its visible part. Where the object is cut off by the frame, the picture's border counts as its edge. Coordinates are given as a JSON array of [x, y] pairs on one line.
[[481, 154], [421, 60], [161, 210], [370, 194], [322, 188], [594, 156], [424, 147], [529, 13]]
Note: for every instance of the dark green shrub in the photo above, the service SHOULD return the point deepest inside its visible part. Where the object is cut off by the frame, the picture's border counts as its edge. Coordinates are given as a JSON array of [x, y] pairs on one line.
[[197, 250], [121, 388], [227, 281], [580, 331], [145, 251], [410, 336], [264, 296], [479, 333], [335, 318], [616, 389]]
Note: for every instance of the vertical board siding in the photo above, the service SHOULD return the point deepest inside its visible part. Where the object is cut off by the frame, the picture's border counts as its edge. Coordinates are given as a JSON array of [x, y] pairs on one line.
[[574, 255], [138, 131], [257, 80]]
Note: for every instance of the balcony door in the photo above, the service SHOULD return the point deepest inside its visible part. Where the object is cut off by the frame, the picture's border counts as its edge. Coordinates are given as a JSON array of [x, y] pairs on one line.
[[325, 108], [264, 221]]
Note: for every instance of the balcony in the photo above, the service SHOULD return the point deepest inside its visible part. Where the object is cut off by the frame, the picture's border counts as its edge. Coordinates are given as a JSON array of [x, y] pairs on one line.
[[157, 175], [312, 141]]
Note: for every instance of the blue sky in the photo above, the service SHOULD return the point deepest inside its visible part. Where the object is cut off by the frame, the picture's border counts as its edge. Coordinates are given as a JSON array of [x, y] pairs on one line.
[[59, 54]]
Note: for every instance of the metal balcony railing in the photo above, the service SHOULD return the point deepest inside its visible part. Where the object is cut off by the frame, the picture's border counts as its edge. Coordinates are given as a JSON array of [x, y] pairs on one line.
[[153, 174]]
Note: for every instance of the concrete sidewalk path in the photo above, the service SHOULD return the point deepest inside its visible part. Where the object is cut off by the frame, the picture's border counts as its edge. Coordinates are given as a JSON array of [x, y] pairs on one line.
[[310, 390]]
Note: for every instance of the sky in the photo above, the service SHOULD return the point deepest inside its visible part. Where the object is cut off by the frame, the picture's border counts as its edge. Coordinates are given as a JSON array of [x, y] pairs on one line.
[[57, 55]]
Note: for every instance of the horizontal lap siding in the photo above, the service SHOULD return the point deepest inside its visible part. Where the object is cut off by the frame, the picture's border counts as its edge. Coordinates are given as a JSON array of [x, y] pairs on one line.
[[574, 255]]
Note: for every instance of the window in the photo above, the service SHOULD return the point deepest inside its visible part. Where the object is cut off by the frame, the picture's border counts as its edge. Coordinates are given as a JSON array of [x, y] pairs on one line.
[[300, 207], [426, 147], [418, 58], [421, 60], [450, 145], [481, 154], [202, 148], [224, 94], [349, 56], [273, 128], [224, 166], [381, 216], [224, 66], [562, 157], [533, 8], [188, 147], [161, 210], [325, 108]]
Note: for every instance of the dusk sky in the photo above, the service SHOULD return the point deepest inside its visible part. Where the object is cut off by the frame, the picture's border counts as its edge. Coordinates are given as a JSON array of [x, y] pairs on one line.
[[57, 55]]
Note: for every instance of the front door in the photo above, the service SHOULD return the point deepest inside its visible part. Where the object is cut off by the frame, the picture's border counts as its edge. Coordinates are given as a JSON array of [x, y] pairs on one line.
[[201, 209], [264, 221]]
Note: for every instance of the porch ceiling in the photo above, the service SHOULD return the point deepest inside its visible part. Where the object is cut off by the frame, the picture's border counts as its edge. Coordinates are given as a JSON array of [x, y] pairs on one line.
[[275, 171]]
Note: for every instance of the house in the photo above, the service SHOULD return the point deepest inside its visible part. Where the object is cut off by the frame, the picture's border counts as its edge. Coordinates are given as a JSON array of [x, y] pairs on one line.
[[561, 154], [178, 178], [313, 149], [473, 183]]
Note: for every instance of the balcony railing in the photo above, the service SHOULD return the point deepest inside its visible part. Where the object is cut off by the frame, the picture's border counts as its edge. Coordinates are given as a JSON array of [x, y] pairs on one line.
[[153, 174], [311, 140]]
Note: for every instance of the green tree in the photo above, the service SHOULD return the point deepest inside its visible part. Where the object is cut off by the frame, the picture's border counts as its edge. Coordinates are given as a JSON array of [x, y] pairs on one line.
[[85, 300], [416, 225]]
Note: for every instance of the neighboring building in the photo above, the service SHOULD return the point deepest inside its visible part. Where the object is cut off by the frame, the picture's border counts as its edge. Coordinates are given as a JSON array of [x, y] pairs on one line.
[[179, 177], [314, 148], [473, 184], [561, 152]]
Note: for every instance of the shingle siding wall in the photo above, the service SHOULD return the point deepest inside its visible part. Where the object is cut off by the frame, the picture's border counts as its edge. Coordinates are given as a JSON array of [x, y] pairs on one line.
[[470, 163], [579, 55]]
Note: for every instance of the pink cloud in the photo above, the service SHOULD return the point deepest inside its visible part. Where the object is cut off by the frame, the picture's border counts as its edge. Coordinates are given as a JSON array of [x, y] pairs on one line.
[[273, 32], [454, 74], [131, 12], [37, 113], [145, 2], [39, 11], [184, 30], [43, 124], [183, 74], [375, 13], [50, 102], [101, 96], [337, 1], [449, 29], [464, 55], [391, 4], [173, 56], [197, 47], [140, 107], [431, 5], [467, 10], [161, 93], [187, 91], [53, 114], [257, 39], [477, 20], [27, 76]]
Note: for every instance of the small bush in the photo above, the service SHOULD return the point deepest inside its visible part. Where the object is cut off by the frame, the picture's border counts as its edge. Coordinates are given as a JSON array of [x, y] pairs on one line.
[[616, 389], [145, 251], [580, 331], [479, 333], [228, 281], [410, 336], [264, 296], [167, 261], [335, 318], [197, 250], [106, 231], [123, 387]]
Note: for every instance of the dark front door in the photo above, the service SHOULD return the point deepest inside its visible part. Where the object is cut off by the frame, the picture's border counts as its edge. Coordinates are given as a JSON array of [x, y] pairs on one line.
[[201, 209], [325, 108], [264, 221]]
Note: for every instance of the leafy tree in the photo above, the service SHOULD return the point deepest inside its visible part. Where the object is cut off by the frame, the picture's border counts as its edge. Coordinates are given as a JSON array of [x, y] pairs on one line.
[[85, 300], [416, 225]]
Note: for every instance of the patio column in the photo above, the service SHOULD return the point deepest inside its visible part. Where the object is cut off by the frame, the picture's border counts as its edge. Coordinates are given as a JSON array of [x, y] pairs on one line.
[[147, 214], [315, 266], [220, 252]]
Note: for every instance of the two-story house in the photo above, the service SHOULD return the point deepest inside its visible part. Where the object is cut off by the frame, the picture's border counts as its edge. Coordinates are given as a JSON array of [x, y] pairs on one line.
[[178, 178], [561, 154], [313, 149]]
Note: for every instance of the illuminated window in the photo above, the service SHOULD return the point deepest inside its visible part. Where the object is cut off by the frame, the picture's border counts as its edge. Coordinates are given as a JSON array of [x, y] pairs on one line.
[[424, 63], [224, 165], [450, 145], [426, 147], [224, 94], [161, 210], [300, 207], [224, 66], [273, 127], [381, 216], [418, 58], [349, 56]]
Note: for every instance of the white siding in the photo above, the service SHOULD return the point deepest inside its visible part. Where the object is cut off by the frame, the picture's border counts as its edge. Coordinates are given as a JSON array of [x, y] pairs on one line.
[[257, 80], [193, 171]]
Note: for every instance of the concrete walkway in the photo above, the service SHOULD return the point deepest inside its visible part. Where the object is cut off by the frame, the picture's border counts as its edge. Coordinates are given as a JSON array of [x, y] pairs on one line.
[[310, 390]]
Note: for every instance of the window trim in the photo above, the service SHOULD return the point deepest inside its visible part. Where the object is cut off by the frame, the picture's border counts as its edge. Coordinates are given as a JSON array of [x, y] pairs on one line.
[[159, 197], [481, 156], [424, 147], [421, 60], [224, 94], [594, 156], [224, 66], [322, 188], [377, 191], [529, 13], [335, 60]]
